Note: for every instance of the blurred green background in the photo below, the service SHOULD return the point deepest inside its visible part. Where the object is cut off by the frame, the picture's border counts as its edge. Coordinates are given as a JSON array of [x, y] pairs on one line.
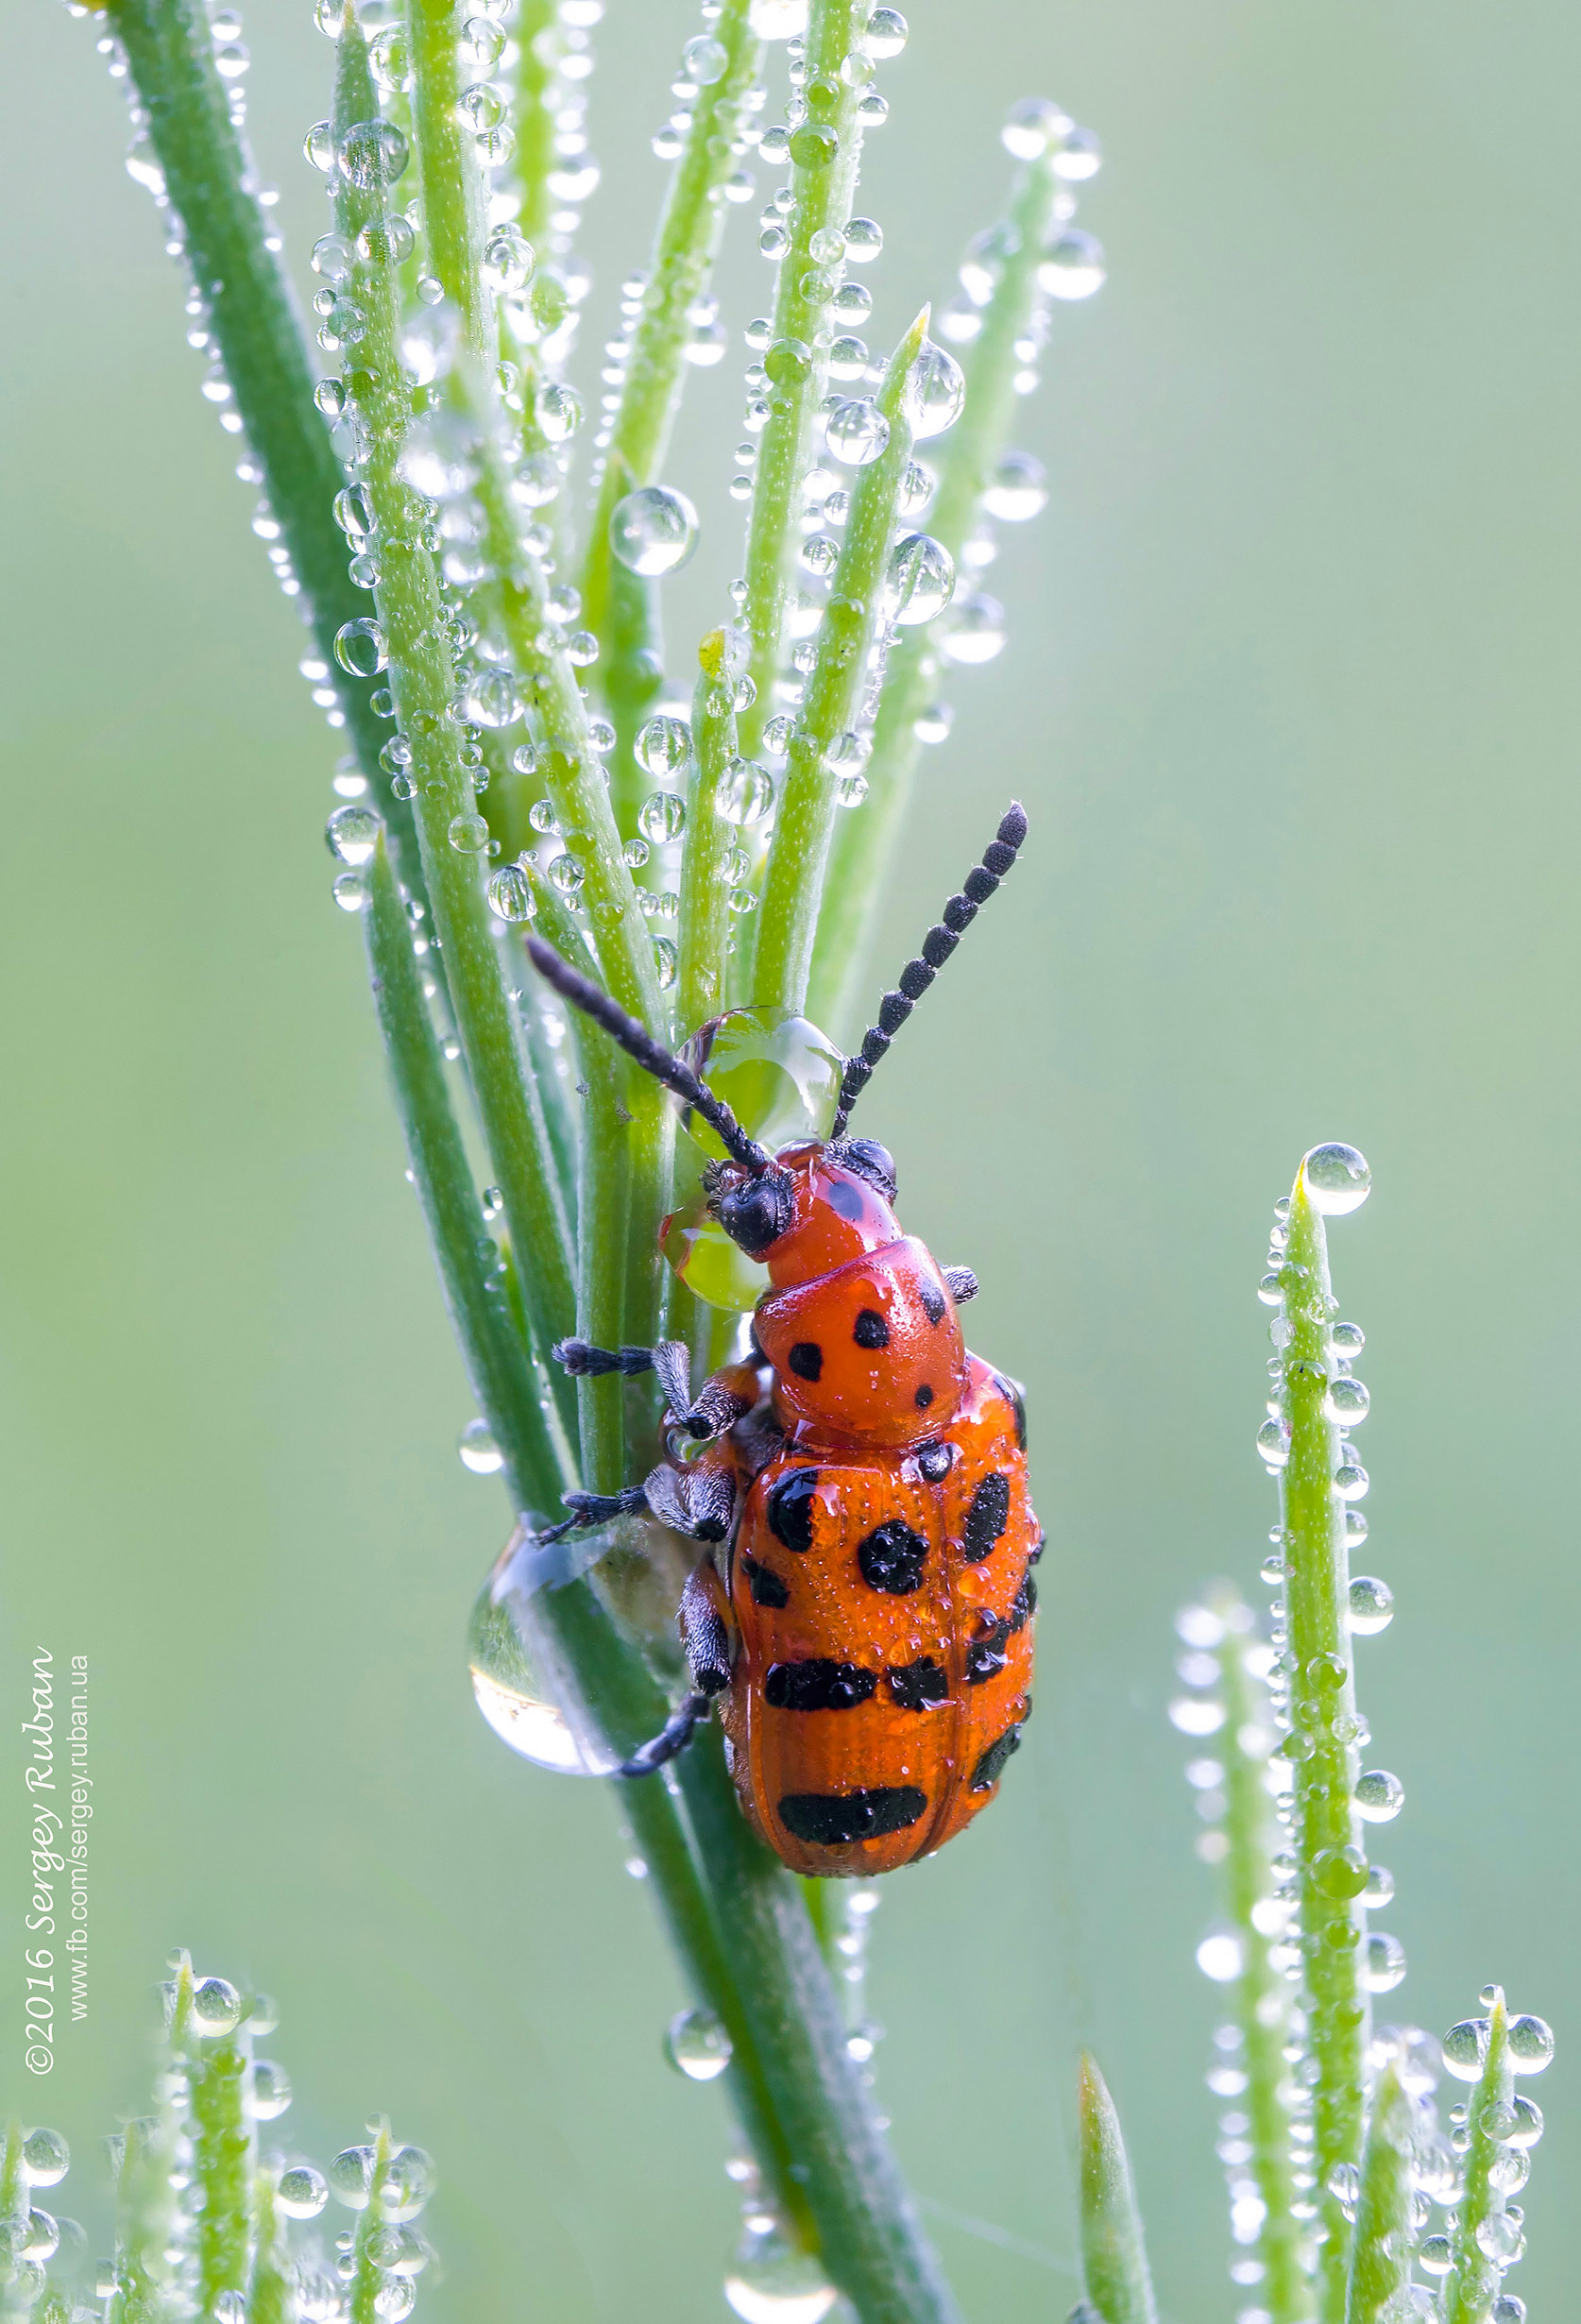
[[1291, 694]]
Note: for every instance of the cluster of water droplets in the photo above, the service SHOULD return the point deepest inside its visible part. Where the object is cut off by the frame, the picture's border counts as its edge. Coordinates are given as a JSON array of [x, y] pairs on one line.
[[1270, 1740], [171, 2179]]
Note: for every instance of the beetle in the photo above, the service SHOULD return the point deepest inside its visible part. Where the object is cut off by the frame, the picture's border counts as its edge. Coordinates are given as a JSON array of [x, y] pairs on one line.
[[863, 1613]]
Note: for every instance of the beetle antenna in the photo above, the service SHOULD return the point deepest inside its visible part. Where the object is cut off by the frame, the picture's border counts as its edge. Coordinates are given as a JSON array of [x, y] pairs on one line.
[[938, 945], [650, 1054]]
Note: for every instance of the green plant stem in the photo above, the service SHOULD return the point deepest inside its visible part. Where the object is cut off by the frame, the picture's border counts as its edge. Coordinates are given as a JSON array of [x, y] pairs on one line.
[[804, 824], [822, 193], [968, 457], [1261, 2002], [793, 2084], [1382, 2239], [1332, 1921], [271, 2293], [689, 229], [538, 36], [1114, 2273], [571, 767], [422, 680], [871, 2240], [366, 2275], [254, 322], [224, 2154], [1471, 2284], [501, 1375], [631, 678], [704, 910]]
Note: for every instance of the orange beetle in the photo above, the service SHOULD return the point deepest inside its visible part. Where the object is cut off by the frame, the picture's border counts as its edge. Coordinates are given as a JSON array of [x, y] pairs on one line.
[[865, 1610]]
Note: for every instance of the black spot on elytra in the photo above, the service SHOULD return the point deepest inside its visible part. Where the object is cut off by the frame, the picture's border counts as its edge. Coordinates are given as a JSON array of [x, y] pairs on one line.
[[870, 1330], [933, 1299], [844, 1199], [891, 1558], [1008, 1390], [805, 1359], [833, 1819], [992, 1765], [766, 1587], [817, 1685], [987, 1516], [1026, 1602], [790, 1507], [934, 1461], [985, 1653], [918, 1686], [923, 1398]]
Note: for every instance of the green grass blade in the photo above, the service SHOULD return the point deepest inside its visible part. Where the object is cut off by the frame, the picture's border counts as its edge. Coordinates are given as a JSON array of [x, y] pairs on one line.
[[1381, 2242], [1115, 2272]]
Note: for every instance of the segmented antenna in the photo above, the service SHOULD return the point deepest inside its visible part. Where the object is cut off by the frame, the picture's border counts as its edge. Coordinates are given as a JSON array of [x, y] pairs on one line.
[[650, 1054], [938, 945]]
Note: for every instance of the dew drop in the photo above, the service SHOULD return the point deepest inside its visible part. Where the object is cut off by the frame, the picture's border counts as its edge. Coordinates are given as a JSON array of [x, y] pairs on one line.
[[216, 2007], [351, 2176], [302, 2191], [864, 239], [1372, 1605], [566, 874], [372, 155], [1073, 265], [663, 747], [935, 391], [349, 891], [1017, 489], [1384, 1966], [46, 2157], [1531, 2045], [490, 699], [1273, 1442], [1347, 1339], [507, 260], [747, 793], [1030, 125], [359, 649], [1347, 1401], [976, 631], [1337, 1180], [666, 963], [1220, 1956], [662, 817], [919, 579], [774, 2282], [698, 2045], [351, 835], [271, 2089], [1379, 1795], [469, 835], [479, 1453], [858, 432], [1350, 1481], [886, 33], [653, 531]]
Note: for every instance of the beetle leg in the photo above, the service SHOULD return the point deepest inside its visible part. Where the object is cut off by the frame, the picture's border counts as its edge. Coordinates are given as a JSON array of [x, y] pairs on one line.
[[673, 1738], [703, 1632], [593, 1509], [717, 1408], [962, 1282], [699, 1502]]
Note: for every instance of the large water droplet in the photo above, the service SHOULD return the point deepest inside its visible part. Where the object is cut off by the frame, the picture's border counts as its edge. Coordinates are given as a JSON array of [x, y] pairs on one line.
[[1017, 489], [886, 35], [697, 2046], [372, 155], [302, 2191], [1372, 1605], [46, 2157], [1337, 1180], [976, 631], [359, 648], [351, 2176], [653, 531], [747, 793], [935, 391], [271, 2089], [1379, 1795], [469, 835], [662, 816], [774, 2282], [479, 1453], [1273, 1442], [522, 1681], [919, 579], [408, 2183], [858, 432], [663, 747], [1073, 267], [510, 893], [352, 834], [1531, 2045], [1384, 1966], [216, 2007]]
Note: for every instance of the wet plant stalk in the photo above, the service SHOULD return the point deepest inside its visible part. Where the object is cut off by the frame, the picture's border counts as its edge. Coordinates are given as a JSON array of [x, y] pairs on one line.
[[1262, 2008], [224, 2155], [794, 2082], [967, 459], [824, 157], [1115, 2272], [1332, 1919], [689, 230], [1383, 2231], [537, 29], [422, 681], [256, 328], [1472, 2285], [804, 824], [705, 913]]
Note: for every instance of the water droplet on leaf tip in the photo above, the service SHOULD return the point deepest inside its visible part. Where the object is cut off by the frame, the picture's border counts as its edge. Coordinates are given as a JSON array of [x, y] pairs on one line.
[[1337, 1179]]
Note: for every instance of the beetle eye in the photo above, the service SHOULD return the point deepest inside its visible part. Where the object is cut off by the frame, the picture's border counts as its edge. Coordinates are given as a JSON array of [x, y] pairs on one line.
[[870, 1161], [757, 1215]]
